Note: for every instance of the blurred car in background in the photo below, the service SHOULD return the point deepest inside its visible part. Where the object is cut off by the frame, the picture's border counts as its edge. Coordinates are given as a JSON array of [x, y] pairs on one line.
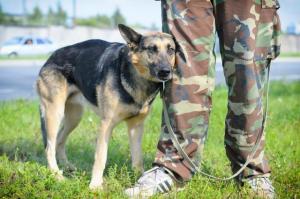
[[27, 45]]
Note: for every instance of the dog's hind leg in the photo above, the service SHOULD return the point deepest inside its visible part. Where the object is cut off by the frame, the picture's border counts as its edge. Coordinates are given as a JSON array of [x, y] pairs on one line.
[[135, 132], [52, 90], [73, 114]]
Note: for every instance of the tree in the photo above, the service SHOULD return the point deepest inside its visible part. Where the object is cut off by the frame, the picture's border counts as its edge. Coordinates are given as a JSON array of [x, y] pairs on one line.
[[101, 21], [50, 17], [36, 18], [60, 16], [117, 18], [2, 16]]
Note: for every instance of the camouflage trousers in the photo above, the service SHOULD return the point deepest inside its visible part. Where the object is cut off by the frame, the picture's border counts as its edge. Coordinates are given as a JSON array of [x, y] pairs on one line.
[[249, 32]]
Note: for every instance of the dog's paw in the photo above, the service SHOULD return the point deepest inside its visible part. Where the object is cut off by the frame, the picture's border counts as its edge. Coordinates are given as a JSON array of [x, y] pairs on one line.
[[58, 175], [96, 186]]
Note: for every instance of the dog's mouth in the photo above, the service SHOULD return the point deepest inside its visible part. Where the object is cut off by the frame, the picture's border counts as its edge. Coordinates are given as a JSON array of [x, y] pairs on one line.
[[164, 78]]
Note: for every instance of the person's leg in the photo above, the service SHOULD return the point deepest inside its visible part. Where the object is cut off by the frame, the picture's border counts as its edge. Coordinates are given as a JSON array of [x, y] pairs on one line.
[[248, 35], [188, 94]]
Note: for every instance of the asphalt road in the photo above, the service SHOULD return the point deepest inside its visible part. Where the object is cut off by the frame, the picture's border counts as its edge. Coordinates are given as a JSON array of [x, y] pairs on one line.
[[17, 78]]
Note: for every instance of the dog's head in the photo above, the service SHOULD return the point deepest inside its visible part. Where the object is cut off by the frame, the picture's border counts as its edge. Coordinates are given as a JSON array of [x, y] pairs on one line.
[[152, 54]]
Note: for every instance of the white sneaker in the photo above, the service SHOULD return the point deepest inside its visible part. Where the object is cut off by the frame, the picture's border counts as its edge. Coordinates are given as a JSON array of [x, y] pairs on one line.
[[153, 181], [262, 187]]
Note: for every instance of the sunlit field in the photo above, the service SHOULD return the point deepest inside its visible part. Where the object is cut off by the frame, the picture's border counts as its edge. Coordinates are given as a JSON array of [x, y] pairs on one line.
[[23, 172]]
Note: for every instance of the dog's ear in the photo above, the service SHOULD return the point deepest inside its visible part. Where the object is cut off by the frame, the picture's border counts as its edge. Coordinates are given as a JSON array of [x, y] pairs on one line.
[[178, 50], [177, 46], [129, 35]]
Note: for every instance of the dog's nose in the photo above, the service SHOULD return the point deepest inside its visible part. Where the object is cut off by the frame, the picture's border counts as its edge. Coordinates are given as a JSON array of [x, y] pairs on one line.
[[163, 73]]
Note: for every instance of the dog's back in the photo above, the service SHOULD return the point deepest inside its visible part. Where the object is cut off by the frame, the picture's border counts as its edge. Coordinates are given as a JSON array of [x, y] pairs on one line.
[[87, 64]]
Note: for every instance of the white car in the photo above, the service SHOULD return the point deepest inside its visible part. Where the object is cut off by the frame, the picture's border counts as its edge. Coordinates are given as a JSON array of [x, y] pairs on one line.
[[27, 45]]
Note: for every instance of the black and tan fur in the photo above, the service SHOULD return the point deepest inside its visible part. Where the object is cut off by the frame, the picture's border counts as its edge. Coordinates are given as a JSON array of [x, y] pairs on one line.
[[118, 81]]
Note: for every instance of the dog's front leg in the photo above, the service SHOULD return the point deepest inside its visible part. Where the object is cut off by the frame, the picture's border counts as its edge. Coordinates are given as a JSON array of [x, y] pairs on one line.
[[101, 154], [135, 131]]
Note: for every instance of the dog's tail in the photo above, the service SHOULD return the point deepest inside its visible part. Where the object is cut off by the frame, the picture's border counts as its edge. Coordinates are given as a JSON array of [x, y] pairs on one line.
[[43, 126]]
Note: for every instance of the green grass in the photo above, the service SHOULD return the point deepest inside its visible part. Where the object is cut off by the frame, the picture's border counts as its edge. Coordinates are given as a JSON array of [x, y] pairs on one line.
[[44, 57], [23, 173], [23, 57], [289, 54]]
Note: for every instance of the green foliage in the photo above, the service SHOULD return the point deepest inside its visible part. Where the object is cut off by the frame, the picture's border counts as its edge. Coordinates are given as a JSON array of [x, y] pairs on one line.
[[23, 172], [2, 15], [117, 18], [51, 18], [104, 21], [24, 57], [36, 18], [8, 19], [289, 54], [101, 21], [60, 16], [55, 18]]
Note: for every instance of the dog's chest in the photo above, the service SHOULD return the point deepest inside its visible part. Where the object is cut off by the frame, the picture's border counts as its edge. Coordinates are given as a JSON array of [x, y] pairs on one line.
[[138, 110], [125, 111]]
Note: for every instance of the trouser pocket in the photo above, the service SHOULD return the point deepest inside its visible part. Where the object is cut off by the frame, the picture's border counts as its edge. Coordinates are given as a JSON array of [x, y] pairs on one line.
[[276, 37], [272, 4], [269, 32]]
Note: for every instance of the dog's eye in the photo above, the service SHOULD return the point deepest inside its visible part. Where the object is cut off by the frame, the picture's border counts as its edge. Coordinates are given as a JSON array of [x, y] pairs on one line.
[[152, 49], [171, 50]]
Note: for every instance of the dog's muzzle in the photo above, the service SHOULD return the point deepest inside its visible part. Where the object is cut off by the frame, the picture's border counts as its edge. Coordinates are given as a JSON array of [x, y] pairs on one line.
[[164, 74]]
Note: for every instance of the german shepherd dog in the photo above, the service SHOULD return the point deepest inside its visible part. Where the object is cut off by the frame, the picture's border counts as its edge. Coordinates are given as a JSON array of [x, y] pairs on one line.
[[119, 81]]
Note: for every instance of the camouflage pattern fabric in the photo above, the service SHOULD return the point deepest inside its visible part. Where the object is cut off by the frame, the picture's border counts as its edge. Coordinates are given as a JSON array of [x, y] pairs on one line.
[[249, 32]]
